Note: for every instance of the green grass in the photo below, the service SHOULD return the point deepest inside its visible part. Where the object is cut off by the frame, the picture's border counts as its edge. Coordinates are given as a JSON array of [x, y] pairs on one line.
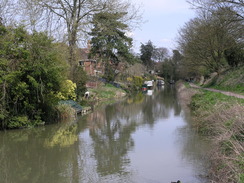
[[239, 89], [207, 99], [230, 80], [106, 92], [220, 118]]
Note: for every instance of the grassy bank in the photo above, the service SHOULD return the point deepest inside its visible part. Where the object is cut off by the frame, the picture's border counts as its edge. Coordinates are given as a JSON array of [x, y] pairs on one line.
[[229, 80], [220, 118], [103, 94]]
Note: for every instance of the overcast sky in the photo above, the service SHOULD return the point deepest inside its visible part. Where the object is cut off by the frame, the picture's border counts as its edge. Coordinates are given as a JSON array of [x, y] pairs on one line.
[[163, 19]]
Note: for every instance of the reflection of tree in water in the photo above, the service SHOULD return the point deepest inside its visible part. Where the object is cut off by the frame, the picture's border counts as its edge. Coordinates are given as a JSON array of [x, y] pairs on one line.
[[55, 154], [111, 143], [25, 159], [111, 129], [160, 105]]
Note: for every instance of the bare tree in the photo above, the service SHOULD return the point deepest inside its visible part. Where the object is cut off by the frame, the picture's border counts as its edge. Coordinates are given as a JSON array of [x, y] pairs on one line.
[[160, 54], [230, 6], [203, 43], [6, 7]]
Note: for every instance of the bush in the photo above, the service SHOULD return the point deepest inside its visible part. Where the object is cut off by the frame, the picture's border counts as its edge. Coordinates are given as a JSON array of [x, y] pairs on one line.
[[138, 81], [18, 122], [30, 77], [65, 111], [68, 91]]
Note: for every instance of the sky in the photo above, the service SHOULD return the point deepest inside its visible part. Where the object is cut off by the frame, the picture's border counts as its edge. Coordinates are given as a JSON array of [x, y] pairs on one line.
[[163, 19]]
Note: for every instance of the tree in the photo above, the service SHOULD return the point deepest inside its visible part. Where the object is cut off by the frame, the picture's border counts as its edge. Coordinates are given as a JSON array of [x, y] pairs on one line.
[[30, 77], [228, 15], [4, 10], [229, 7], [74, 14], [167, 69], [160, 54], [109, 41], [172, 67], [80, 79], [204, 41], [147, 51], [71, 19]]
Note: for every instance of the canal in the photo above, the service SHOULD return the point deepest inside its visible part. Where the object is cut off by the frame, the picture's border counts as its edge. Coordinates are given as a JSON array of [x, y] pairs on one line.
[[144, 139]]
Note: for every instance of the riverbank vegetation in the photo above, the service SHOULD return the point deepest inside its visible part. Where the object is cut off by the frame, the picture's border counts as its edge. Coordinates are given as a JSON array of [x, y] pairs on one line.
[[39, 58], [103, 94], [212, 56], [31, 77], [229, 80], [219, 118]]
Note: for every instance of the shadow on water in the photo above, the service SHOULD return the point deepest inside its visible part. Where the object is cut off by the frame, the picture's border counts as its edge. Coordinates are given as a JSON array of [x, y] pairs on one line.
[[142, 139]]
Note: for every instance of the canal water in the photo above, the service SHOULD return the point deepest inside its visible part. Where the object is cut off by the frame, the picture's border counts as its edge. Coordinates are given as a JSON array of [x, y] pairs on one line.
[[144, 139]]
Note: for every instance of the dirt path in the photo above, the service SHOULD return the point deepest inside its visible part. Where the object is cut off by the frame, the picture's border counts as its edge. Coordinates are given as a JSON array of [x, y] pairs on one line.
[[219, 91]]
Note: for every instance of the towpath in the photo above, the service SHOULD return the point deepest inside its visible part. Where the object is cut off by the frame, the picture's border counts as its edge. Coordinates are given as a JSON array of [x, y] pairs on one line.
[[219, 91]]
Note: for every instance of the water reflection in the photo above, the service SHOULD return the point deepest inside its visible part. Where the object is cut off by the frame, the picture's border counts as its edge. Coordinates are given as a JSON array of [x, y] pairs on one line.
[[105, 146], [31, 155]]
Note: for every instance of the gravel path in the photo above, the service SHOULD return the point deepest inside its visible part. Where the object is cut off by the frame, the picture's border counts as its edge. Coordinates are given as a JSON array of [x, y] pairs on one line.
[[219, 91]]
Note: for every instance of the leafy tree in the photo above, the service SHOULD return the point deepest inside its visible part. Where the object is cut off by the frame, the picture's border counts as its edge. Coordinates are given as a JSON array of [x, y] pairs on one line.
[[30, 77], [235, 56], [147, 51], [109, 41], [172, 67], [167, 69]]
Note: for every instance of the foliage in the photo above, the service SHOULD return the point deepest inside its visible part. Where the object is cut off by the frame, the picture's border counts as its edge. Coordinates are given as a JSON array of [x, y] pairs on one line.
[[234, 56], [68, 90], [30, 76], [108, 36], [80, 79], [172, 67], [64, 111], [220, 117], [147, 51], [159, 54], [67, 20], [109, 73], [138, 81], [109, 41], [230, 80], [213, 40], [107, 92]]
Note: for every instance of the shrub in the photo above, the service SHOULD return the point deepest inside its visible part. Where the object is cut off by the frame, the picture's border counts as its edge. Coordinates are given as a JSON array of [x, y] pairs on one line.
[[67, 91], [18, 121], [138, 81], [65, 111]]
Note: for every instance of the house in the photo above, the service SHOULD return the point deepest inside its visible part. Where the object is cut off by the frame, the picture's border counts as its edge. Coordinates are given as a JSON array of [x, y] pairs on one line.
[[90, 66]]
